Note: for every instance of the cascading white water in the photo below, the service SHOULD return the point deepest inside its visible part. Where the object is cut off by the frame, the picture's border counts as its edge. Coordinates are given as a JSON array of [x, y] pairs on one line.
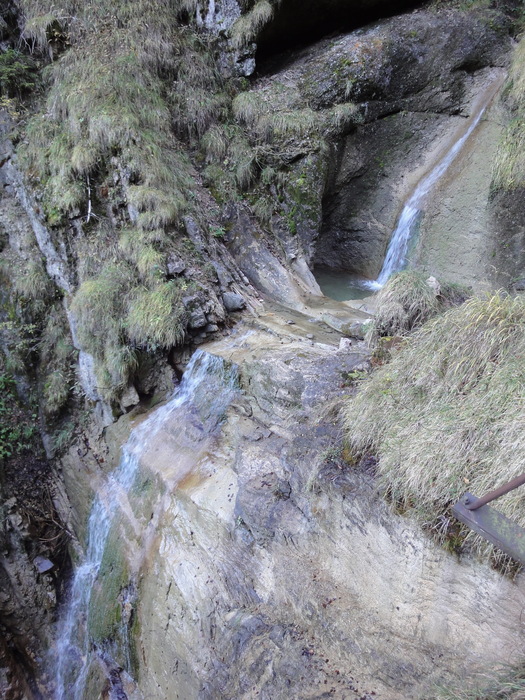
[[207, 381], [395, 258]]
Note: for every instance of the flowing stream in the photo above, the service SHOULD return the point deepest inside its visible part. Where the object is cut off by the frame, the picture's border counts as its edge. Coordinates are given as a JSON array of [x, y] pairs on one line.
[[395, 258], [206, 389]]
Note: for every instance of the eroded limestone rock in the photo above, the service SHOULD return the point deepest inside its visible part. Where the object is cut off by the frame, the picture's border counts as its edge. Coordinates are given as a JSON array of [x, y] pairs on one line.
[[412, 79], [275, 566]]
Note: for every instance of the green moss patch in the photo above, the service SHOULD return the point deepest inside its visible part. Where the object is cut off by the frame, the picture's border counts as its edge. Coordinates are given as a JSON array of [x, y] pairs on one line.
[[105, 608]]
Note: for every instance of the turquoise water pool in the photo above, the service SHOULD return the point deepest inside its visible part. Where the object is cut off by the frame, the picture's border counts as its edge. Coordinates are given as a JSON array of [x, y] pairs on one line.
[[340, 285]]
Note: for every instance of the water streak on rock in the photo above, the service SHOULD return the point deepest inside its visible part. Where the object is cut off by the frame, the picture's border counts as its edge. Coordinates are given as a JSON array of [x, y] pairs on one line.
[[396, 254], [206, 388]]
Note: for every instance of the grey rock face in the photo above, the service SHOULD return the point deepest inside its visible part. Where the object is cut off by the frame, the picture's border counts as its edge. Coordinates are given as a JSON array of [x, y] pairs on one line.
[[175, 266], [233, 301], [225, 278], [279, 552], [509, 225], [217, 16], [264, 266], [197, 318], [86, 371], [413, 79], [29, 578], [129, 398]]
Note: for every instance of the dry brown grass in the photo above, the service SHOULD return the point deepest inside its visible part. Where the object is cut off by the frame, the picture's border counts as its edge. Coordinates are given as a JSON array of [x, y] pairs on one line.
[[509, 165], [447, 414], [508, 684], [408, 300]]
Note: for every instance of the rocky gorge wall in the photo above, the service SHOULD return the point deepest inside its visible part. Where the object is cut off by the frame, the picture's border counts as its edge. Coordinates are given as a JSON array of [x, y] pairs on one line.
[[322, 146], [390, 97]]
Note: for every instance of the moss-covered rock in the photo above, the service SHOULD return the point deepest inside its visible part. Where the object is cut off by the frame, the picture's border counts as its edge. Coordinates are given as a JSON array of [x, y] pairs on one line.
[[109, 611]]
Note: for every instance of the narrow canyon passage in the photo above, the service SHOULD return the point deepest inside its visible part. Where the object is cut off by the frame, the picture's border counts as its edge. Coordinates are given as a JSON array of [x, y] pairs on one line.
[[197, 200]]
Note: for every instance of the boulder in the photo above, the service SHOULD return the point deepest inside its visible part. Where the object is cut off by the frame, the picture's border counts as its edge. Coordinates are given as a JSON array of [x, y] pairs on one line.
[[197, 318], [43, 565], [233, 301], [175, 266]]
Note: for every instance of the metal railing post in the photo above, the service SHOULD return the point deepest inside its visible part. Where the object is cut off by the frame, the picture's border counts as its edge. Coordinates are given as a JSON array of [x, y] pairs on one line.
[[501, 491]]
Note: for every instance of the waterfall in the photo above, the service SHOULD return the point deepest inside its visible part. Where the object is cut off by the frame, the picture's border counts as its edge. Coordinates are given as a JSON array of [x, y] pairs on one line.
[[395, 258], [206, 390]]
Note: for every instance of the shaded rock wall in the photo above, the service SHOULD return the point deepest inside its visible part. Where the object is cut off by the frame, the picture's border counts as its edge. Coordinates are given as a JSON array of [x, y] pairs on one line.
[[297, 23], [508, 220], [376, 168], [35, 526], [33, 561]]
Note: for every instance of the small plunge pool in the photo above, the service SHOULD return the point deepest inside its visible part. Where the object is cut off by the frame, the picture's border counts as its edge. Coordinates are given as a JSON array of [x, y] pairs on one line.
[[341, 285]]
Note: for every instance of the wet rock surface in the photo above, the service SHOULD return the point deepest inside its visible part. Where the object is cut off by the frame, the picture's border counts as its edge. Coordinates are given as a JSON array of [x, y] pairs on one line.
[[459, 239], [270, 568], [278, 571]]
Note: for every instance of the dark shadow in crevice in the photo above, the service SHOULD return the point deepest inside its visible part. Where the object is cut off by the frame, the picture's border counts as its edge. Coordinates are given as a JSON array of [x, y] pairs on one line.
[[298, 23]]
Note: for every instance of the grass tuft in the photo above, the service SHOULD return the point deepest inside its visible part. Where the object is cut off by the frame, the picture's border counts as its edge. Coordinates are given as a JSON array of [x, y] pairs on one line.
[[57, 358], [246, 28], [296, 123], [32, 282], [343, 116], [100, 309], [157, 316], [509, 164], [407, 300], [446, 415], [17, 73], [247, 107], [215, 143], [107, 103], [509, 684], [150, 262]]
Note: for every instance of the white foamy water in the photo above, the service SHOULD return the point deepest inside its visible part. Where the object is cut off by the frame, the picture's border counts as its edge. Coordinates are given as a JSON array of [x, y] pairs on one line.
[[395, 258], [207, 386]]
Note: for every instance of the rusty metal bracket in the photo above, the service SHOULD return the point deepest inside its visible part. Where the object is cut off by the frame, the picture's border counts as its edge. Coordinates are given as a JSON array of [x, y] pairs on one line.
[[500, 491], [495, 527]]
